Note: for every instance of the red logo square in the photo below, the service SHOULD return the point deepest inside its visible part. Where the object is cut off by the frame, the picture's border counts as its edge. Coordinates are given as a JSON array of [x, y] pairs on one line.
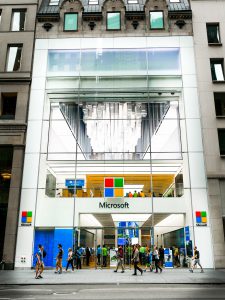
[[198, 214], [24, 213], [109, 182]]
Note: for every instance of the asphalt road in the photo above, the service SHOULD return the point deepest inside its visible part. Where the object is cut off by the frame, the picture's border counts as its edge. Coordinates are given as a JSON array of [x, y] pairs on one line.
[[127, 291]]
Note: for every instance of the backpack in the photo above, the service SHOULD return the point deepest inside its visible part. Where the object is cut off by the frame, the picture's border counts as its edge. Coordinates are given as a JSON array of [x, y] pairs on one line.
[[44, 253]]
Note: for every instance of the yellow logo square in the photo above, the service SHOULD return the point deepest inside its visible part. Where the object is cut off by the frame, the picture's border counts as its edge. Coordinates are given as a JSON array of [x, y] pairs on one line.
[[29, 219], [204, 220], [118, 192]]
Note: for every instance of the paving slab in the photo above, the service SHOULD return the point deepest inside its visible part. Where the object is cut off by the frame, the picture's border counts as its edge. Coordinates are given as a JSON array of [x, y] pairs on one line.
[[168, 276]]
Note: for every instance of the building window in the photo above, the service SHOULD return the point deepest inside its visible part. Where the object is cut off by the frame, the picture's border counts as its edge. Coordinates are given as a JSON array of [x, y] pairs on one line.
[[93, 2], [53, 2], [113, 21], [217, 69], [213, 33], [156, 20], [132, 1], [14, 57], [221, 136], [8, 105], [18, 20], [174, 1], [219, 99], [70, 22]]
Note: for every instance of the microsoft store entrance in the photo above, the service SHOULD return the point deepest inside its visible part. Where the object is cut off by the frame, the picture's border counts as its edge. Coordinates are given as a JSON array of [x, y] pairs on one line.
[[106, 232]]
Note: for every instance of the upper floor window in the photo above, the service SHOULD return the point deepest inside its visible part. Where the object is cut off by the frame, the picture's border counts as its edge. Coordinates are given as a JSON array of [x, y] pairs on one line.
[[156, 20], [217, 69], [18, 20], [14, 57], [113, 21], [8, 105], [53, 2], [213, 33], [70, 21], [221, 137], [93, 2], [132, 1], [175, 1], [219, 100]]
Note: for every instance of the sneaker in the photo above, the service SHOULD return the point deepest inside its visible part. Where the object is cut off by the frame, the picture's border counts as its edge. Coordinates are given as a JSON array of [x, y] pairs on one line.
[[115, 271], [40, 276], [141, 272], [37, 277], [191, 270], [134, 274], [122, 271], [160, 270], [202, 271], [56, 272]]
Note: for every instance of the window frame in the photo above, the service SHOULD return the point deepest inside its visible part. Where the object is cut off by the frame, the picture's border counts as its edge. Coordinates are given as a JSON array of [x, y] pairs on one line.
[[7, 58], [64, 22], [12, 14], [220, 61], [221, 130], [156, 11], [112, 12], [8, 116], [214, 24]]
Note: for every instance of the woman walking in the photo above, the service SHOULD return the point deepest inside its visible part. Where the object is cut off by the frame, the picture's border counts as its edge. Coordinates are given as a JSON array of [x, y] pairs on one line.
[[156, 257], [136, 260], [70, 259]]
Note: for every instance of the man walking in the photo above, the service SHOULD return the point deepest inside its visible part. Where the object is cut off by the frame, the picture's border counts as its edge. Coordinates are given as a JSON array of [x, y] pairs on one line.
[[39, 263], [196, 259], [119, 256], [136, 261], [59, 260]]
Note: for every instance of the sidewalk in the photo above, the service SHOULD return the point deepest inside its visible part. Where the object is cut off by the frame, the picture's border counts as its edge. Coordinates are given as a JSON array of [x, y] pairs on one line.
[[168, 276]]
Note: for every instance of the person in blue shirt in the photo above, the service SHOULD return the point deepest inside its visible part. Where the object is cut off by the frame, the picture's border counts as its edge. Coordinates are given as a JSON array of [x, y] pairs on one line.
[[78, 254], [39, 262], [99, 252]]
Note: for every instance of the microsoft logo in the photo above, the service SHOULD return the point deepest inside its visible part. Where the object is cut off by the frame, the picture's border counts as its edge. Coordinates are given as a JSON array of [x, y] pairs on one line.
[[26, 217], [113, 187], [201, 218]]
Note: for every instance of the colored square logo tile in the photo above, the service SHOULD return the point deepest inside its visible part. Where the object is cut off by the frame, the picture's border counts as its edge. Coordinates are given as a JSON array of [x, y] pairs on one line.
[[109, 192], [24, 213], [118, 182], [198, 214], [198, 220], [29, 214], [204, 220], [118, 192], [29, 220], [203, 213], [24, 219], [109, 182]]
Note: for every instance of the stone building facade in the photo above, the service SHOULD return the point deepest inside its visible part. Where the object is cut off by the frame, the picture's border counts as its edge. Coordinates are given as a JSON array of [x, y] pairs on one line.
[[17, 27]]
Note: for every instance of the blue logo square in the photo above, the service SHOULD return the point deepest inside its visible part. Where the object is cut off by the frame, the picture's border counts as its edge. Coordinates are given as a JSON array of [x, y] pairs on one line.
[[24, 220], [198, 220], [109, 192]]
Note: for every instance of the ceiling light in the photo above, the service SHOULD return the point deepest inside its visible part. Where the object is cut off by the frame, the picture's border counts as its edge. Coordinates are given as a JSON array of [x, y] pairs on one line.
[[130, 217]]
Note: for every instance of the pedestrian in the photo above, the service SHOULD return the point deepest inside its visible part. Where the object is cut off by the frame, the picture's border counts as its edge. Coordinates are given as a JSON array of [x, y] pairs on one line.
[[136, 260], [88, 255], [99, 252], [156, 257], [196, 260], [161, 256], [119, 257], [59, 260], [70, 259], [78, 257], [104, 255], [39, 263]]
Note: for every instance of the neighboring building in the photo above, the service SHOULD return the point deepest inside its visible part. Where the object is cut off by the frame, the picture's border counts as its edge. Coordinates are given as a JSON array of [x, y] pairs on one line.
[[209, 40], [114, 111], [17, 25]]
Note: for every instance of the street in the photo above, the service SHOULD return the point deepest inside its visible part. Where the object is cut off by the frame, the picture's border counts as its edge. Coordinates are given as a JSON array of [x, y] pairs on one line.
[[115, 291]]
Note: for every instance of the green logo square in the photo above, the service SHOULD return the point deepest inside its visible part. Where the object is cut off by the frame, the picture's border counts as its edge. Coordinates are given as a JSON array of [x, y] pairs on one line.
[[118, 182], [203, 213], [29, 214]]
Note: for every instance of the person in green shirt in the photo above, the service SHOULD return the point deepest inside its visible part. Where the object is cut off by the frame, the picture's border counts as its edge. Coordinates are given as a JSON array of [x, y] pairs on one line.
[[142, 252], [104, 255], [135, 194]]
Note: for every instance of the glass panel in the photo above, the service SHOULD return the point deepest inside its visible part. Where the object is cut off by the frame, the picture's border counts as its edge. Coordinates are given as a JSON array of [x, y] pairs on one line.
[[14, 58], [113, 21], [219, 99], [70, 21], [156, 20], [53, 2], [221, 136], [213, 33], [18, 20]]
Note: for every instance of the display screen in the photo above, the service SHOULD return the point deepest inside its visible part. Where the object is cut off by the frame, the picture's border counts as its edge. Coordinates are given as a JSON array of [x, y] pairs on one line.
[[71, 182]]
